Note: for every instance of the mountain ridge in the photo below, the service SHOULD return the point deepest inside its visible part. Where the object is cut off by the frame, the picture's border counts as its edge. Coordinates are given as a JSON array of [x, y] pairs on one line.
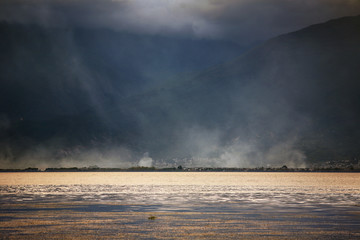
[[292, 100], [308, 96]]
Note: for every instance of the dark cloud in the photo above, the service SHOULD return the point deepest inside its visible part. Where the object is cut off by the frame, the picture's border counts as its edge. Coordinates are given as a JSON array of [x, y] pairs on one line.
[[257, 20], [246, 21]]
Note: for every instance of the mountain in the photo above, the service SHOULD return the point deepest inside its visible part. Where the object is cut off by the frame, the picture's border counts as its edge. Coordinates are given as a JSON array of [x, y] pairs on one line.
[[295, 99], [292, 100], [56, 83], [69, 70]]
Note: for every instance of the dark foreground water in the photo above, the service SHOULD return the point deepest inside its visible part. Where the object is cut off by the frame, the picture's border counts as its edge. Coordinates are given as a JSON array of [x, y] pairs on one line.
[[179, 205]]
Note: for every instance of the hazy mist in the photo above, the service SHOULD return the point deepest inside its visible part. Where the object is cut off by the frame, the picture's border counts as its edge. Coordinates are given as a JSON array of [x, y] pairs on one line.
[[168, 83]]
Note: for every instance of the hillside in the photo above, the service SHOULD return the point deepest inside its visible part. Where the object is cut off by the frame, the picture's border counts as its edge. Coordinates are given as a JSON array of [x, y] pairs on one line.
[[57, 83], [70, 69], [293, 100]]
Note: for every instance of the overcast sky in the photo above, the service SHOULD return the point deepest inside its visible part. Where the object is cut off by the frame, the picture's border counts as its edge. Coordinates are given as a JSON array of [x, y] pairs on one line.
[[245, 21]]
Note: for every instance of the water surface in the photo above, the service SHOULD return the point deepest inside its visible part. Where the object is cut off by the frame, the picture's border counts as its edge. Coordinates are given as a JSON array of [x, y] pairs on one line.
[[185, 204]]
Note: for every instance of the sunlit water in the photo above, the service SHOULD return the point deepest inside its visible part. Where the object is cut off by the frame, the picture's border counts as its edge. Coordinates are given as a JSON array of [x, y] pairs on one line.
[[325, 195], [184, 189]]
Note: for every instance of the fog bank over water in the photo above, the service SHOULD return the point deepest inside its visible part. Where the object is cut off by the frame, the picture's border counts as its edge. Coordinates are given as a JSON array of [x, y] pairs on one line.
[[234, 156]]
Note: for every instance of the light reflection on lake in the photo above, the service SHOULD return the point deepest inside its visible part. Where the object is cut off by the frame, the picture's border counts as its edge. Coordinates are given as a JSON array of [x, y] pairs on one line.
[[180, 188], [265, 197]]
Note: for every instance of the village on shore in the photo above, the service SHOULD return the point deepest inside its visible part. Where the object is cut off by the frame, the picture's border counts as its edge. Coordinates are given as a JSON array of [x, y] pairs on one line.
[[330, 166]]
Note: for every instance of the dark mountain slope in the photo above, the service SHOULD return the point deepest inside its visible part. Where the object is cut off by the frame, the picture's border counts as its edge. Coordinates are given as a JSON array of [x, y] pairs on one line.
[[299, 89], [292, 100], [66, 71], [62, 83]]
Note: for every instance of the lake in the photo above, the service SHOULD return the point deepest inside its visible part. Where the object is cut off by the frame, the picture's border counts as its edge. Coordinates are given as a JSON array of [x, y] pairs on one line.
[[179, 205]]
